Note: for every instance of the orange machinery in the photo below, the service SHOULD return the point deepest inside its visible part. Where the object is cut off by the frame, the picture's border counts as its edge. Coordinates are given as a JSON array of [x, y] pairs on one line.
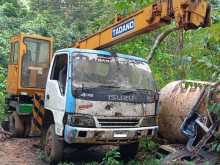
[[188, 14], [28, 64], [31, 54]]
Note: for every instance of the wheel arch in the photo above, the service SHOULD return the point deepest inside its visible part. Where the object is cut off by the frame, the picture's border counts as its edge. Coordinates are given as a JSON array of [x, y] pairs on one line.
[[48, 118], [56, 118]]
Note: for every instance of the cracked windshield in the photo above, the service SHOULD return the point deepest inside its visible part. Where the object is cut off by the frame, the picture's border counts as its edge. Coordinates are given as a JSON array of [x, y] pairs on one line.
[[92, 70]]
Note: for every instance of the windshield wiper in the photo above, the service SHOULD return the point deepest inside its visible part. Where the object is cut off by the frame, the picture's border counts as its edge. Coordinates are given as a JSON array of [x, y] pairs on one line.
[[128, 92], [108, 86], [143, 89], [135, 90]]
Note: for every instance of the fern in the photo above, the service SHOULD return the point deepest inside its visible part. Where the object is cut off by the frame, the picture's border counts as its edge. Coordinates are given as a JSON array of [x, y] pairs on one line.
[[111, 158]]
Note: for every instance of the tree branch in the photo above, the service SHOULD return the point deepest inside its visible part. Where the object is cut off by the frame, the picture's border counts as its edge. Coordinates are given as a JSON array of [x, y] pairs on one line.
[[159, 39]]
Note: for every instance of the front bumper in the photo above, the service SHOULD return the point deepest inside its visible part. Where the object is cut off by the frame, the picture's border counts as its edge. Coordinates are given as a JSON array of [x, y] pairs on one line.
[[106, 135]]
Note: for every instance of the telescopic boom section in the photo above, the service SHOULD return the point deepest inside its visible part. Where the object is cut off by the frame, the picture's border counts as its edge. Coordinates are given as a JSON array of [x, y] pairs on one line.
[[189, 14]]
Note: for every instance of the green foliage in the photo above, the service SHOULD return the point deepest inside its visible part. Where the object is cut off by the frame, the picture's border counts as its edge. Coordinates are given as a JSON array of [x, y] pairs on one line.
[[124, 7], [215, 146], [148, 145], [92, 163], [42, 155], [150, 161], [214, 108], [2, 93], [65, 163], [68, 21], [111, 158]]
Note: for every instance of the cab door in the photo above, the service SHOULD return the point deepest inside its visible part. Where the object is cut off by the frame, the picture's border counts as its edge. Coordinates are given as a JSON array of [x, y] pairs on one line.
[[55, 95], [13, 67]]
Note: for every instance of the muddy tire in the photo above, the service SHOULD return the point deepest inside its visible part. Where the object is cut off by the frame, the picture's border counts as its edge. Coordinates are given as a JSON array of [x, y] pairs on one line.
[[53, 147], [43, 138], [5, 125], [128, 151], [26, 120], [16, 126]]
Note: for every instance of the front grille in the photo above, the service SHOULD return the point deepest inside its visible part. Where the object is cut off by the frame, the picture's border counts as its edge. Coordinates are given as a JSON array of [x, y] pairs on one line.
[[118, 123], [149, 121]]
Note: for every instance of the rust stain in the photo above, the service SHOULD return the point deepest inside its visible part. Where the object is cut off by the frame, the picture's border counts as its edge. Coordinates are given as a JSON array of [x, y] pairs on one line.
[[176, 101]]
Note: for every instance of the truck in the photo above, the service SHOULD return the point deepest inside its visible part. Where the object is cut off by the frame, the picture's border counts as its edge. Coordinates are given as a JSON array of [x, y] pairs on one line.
[[84, 96]]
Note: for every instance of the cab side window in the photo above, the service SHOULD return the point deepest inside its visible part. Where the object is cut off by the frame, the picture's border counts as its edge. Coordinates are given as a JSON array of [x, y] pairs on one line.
[[14, 53], [59, 71]]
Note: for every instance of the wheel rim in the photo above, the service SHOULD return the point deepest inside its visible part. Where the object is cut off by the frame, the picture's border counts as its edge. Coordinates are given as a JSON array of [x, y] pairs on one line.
[[48, 146]]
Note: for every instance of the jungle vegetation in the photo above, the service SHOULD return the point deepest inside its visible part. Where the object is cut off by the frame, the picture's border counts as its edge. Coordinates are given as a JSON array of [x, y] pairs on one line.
[[67, 21]]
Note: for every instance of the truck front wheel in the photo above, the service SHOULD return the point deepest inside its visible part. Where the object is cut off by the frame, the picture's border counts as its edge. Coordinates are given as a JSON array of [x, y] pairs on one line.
[[128, 151], [53, 147]]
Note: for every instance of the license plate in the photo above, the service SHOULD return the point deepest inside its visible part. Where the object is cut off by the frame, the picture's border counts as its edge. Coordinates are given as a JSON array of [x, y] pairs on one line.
[[120, 135]]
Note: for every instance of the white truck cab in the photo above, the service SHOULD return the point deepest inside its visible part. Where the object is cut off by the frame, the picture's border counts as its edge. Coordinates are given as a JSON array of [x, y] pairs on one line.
[[99, 98]]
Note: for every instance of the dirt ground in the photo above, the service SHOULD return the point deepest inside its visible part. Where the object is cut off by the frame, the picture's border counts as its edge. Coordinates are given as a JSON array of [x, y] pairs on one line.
[[19, 151], [16, 151]]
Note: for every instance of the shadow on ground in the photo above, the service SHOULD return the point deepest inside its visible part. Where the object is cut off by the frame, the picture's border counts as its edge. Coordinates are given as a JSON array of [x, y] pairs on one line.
[[80, 156]]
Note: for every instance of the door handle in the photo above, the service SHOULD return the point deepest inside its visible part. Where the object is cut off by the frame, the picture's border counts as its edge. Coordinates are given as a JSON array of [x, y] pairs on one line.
[[47, 96]]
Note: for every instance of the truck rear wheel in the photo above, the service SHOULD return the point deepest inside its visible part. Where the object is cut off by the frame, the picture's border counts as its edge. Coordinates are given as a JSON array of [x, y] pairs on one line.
[[53, 147], [128, 151], [26, 120], [16, 125]]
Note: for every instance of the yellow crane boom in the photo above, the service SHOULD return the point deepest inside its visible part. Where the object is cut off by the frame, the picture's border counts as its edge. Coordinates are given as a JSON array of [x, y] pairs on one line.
[[188, 14]]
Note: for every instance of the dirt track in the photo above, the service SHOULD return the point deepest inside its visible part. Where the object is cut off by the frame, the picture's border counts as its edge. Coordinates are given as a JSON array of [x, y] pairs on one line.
[[19, 152]]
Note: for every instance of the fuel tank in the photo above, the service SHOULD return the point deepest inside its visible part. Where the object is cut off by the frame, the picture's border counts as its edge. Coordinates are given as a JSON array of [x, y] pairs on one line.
[[177, 99]]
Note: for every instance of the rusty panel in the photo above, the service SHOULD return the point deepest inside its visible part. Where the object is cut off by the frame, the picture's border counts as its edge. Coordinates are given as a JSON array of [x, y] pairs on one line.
[[189, 14], [14, 71], [12, 80], [82, 45], [104, 38], [92, 42], [116, 108], [176, 101]]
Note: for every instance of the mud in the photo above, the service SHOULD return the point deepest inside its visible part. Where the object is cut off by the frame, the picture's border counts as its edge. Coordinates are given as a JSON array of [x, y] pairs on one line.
[[16, 151], [25, 151], [4, 135]]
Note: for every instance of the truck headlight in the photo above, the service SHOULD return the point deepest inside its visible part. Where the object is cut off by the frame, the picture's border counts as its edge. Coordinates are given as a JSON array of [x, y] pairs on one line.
[[81, 120], [149, 121]]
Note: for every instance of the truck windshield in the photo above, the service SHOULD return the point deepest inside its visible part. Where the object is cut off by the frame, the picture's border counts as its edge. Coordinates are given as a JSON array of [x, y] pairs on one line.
[[35, 63], [91, 70]]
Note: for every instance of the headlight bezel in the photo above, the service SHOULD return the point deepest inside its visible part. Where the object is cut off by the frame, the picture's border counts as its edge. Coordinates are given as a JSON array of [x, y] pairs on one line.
[[81, 120], [149, 121]]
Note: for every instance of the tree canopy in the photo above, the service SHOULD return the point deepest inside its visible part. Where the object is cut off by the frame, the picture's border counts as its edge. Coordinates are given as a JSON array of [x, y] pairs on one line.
[[67, 21]]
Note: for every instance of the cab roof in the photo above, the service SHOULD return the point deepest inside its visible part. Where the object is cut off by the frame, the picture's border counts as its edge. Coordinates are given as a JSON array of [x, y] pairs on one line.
[[101, 53]]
